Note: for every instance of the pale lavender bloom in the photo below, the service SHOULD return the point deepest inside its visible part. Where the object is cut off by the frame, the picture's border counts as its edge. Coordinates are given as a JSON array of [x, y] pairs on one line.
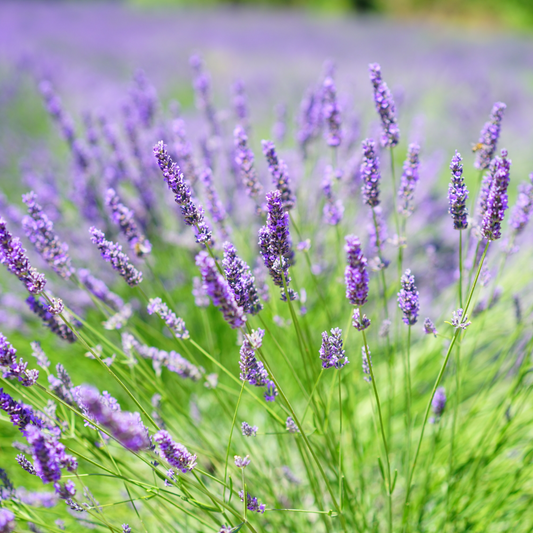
[[201, 299], [367, 363], [126, 528], [489, 136], [279, 130], [429, 327], [280, 174], [51, 321], [213, 204], [331, 351], [377, 238], [55, 108], [358, 322], [385, 328], [252, 370], [458, 321], [176, 454], [355, 274], [385, 107], [202, 90], [219, 291], [113, 254], [225, 529], [333, 209], [40, 231], [370, 174], [56, 306], [242, 462], [408, 300], [7, 521], [99, 289], [409, 180], [175, 323], [310, 119], [458, 194], [244, 159], [271, 391], [119, 319], [183, 150], [25, 464], [521, 211], [144, 96], [125, 220], [240, 102], [251, 503], [248, 431], [38, 353], [13, 255], [330, 108], [439, 402], [291, 426]]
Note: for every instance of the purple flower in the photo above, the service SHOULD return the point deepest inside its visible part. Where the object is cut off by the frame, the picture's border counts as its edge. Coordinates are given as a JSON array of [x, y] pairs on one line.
[[242, 462], [13, 369], [194, 216], [144, 96], [497, 199], [333, 209], [271, 391], [409, 180], [38, 353], [488, 138], [279, 130], [367, 363], [439, 401], [248, 431], [20, 415], [460, 321], [240, 103], [25, 464], [310, 118], [390, 135], [331, 351], [521, 211], [113, 254], [7, 521], [126, 528], [213, 203], [201, 299], [13, 255], [66, 491], [241, 280], [408, 299], [176, 454], [219, 291], [244, 158], [275, 243], [51, 321], [99, 289], [55, 109], [370, 174], [458, 194], [252, 370], [355, 274], [330, 108], [40, 231], [280, 174], [124, 218], [291, 426], [251, 503], [358, 322], [183, 150], [202, 90], [175, 323], [429, 327]]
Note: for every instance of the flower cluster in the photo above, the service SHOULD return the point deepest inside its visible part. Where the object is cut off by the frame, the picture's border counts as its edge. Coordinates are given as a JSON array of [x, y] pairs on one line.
[[408, 299], [13, 369], [370, 174], [252, 370], [330, 108], [244, 158], [176, 454], [488, 138], [458, 194], [50, 320], [252, 504], [280, 174], [331, 351], [175, 323], [409, 179], [355, 274]]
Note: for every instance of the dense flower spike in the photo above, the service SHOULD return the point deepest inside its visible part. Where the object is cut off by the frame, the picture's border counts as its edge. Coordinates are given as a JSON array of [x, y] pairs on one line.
[[370, 174], [50, 320], [280, 174], [20, 415], [275, 243], [183, 150], [176, 454], [144, 96], [126, 528], [497, 199], [219, 290], [310, 118], [360, 323], [7, 521], [193, 215], [409, 180], [248, 431], [355, 274], [244, 158], [13, 255], [113, 254], [252, 370], [458, 194], [126, 427], [175, 323], [390, 133], [213, 204], [331, 351], [12, 369], [271, 391], [330, 108], [124, 218], [408, 299], [367, 363], [251, 503], [241, 280], [25, 464], [333, 209], [439, 402], [488, 138], [521, 211], [40, 231], [99, 289]]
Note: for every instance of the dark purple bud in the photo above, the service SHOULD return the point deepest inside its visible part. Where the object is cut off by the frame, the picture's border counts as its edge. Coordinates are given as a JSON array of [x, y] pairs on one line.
[[355, 274], [408, 299], [50, 320], [252, 370], [439, 402], [488, 138], [176, 454]]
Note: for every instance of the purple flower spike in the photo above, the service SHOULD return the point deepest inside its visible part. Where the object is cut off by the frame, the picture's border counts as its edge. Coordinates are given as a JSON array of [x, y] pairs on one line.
[[40, 231], [333, 209], [213, 204], [408, 299], [219, 291], [275, 243], [176, 454], [458, 194], [488, 138], [124, 218], [390, 135], [251, 503], [331, 113], [7, 521], [271, 391], [429, 327], [497, 199], [310, 118], [280, 174], [240, 102], [99, 289], [355, 275], [439, 402], [13, 255], [241, 280], [50, 320], [367, 363], [175, 323], [20, 415], [252, 370], [244, 158], [112, 253], [248, 431], [521, 211], [360, 323], [331, 351], [13, 369], [370, 174], [193, 215], [409, 179]]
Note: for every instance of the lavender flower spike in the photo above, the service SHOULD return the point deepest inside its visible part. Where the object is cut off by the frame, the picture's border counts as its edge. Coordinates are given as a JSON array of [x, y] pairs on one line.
[[497, 200], [213, 204], [193, 215], [458, 194], [408, 299], [125, 219], [488, 138], [279, 173], [13, 369], [175, 323], [370, 174], [241, 280], [244, 158], [367, 363], [331, 113], [176, 454], [43, 311], [429, 327], [331, 351], [333, 209], [40, 231], [521, 211], [439, 402], [355, 274], [252, 370], [248, 431], [7, 521], [13, 255], [112, 253], [390, 135], [251, 503], [409, 179], [360, 323], [219, 291]]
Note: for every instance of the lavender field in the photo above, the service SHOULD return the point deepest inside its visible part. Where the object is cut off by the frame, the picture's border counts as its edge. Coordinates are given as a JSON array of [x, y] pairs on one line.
[[263, 271]]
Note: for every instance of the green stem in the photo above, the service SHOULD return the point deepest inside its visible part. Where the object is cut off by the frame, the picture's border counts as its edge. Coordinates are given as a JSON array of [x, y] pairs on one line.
[[229, 442]]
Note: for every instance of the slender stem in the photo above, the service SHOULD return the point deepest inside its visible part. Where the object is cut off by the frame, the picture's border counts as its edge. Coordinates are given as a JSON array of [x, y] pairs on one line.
[[460, 269], [340, 439], [229, 442], [409, 394]]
